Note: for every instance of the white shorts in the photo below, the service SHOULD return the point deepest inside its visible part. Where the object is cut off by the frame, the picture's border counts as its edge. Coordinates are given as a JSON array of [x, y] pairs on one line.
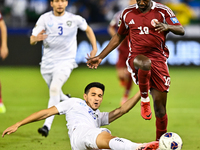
[[62, 66], [84, 138], [57, 71]]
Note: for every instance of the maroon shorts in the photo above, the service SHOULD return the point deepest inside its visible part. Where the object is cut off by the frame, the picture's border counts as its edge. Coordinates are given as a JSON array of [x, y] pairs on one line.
[[160, 78]]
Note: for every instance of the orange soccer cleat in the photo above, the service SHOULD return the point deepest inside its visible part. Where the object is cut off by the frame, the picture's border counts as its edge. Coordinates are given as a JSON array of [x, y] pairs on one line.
[[146, 110]]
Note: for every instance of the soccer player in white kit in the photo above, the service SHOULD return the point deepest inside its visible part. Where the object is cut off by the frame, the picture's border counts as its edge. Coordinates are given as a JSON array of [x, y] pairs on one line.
[[58, 30], [84, 120]]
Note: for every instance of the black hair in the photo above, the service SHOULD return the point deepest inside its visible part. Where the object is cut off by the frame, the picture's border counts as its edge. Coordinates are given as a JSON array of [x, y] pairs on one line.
[[94, 84]]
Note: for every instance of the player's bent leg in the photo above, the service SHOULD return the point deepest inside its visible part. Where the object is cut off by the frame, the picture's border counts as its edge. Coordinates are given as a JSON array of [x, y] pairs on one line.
[[143, 64], [127, 88], [143, 78], [160, 99], [54, 90], [121, 76], [106, 141], [103, 139]]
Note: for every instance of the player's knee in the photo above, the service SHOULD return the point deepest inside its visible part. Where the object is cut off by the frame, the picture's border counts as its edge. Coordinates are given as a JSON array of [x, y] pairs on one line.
[[54, 90], [146, 64], [143, 63], [160, 111]]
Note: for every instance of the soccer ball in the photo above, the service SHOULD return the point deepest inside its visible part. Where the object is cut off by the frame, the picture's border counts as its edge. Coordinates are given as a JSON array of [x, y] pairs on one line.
[[170, 141]]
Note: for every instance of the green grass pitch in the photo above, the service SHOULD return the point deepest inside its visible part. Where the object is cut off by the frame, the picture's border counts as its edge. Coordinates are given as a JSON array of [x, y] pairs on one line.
[[24, 92]]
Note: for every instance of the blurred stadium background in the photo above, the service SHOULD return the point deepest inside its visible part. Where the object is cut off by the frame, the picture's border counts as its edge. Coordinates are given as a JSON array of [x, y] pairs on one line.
[[21, 16]]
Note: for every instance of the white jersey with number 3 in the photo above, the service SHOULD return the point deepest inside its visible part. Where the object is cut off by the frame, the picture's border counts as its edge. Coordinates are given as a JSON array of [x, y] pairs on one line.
[[61, 42]]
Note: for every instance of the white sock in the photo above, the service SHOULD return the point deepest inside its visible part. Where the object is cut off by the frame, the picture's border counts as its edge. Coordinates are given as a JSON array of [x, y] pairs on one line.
[[122, 144], [145, 99], [52, 102]]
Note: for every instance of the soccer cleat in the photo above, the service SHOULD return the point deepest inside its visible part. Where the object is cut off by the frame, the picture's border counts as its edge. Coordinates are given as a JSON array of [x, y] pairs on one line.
[[149, 146], [146, 110], [68, 95], [2, 108], [44, 131]]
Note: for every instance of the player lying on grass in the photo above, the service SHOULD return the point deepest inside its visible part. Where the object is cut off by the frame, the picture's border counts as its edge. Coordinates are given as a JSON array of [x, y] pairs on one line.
[[84, 120]]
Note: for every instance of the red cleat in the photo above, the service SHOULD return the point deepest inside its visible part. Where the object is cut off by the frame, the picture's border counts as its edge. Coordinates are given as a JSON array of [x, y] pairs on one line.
[[146, 110], [149, 146]]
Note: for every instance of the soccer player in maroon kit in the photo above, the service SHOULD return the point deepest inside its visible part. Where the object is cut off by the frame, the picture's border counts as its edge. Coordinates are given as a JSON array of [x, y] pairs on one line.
[[122, 72], [146, 24], [3, 53]]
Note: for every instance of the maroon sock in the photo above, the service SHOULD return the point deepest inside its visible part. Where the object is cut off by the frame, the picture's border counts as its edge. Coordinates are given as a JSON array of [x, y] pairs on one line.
[[128, 85], [143, 78], [161, 126]]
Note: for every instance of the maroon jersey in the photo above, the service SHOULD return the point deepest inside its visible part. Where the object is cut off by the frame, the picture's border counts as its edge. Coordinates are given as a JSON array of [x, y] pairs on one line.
[[142, 35]]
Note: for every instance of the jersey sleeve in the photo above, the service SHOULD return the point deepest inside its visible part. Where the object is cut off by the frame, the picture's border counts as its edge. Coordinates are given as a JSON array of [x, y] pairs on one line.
[[104, 117], [123, 28], [81, 23], [40, 25], [64, 106], [170, 17]]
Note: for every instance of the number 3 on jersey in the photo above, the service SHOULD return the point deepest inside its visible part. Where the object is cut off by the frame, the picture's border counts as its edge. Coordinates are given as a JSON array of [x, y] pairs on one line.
[[60, 30], [145, 30]]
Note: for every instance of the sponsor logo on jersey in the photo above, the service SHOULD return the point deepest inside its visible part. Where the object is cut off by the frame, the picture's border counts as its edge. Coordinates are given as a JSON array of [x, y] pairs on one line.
[[153, 22], [132, 21], [50, 24], [69, 23], [174, 20]]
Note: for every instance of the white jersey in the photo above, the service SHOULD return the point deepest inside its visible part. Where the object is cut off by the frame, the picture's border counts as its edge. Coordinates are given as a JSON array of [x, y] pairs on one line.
[[78, 113], [61, 43]]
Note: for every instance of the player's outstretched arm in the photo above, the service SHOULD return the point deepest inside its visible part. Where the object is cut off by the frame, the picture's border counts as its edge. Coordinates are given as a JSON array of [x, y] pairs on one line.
[[40, 37], [91, 36], [4, 48], [128, 105], [114, 42], [32, 118]]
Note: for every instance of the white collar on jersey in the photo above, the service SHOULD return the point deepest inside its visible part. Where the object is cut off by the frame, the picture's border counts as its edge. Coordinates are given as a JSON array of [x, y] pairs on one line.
[[153, 6]]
